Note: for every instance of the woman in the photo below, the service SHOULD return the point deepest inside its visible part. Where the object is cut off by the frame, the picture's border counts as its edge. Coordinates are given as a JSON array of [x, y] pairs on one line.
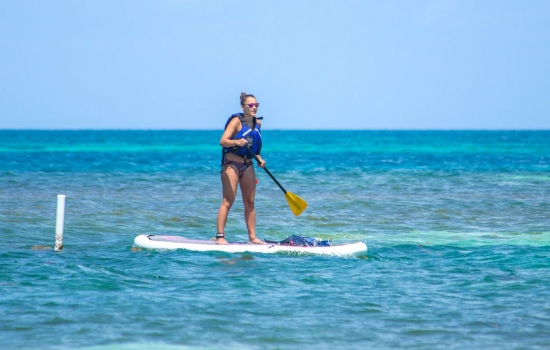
[[241, 137]]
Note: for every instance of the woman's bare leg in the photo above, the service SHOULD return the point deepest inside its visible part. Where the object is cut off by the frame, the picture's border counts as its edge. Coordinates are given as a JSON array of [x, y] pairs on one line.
[[248, 189], [230, 180]]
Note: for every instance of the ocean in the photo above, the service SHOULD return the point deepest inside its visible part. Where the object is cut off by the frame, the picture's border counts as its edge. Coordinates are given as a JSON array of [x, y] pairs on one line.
[[457, 225]]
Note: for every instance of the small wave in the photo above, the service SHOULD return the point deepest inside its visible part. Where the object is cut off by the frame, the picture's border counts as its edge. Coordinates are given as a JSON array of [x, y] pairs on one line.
[[430, 238]]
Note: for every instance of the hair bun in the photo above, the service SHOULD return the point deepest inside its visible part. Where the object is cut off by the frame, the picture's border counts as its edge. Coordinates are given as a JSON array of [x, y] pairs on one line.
[[244, 96]]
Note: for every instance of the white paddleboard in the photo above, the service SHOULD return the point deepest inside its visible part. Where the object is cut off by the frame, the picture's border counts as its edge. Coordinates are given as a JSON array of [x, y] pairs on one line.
[[178, 242]]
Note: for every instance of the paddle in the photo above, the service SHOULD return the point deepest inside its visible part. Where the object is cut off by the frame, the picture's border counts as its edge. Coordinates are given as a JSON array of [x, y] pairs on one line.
[[296, 204]]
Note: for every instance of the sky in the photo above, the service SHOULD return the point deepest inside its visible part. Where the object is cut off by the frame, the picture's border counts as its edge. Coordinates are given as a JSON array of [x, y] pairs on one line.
[[312, 64]]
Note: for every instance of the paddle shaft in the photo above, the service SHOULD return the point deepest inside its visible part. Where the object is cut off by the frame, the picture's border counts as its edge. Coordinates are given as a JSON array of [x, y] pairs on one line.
[[267, 171], [274, 179], [296, 204]]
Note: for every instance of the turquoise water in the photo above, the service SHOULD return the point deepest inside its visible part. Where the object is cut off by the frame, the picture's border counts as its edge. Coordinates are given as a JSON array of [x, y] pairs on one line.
[[457, 224]]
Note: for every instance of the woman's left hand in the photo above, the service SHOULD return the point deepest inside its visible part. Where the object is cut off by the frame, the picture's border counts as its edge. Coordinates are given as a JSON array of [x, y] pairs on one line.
[[261, 163]]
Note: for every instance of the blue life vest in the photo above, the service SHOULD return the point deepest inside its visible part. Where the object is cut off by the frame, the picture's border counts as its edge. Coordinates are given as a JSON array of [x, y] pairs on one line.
[[253, 136]]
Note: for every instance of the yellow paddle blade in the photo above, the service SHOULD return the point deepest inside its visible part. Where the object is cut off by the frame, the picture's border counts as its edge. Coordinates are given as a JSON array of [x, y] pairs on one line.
[[297, 204]]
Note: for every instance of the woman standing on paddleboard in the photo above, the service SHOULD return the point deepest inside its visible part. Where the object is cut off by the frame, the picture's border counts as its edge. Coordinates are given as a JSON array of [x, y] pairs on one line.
[[241, 137]]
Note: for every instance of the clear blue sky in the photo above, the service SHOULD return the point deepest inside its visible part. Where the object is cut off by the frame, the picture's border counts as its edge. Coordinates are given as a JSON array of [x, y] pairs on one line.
[[350, 64]]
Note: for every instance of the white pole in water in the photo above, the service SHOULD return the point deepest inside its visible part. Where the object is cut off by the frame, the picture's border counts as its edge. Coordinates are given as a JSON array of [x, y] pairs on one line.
[[59, 222]]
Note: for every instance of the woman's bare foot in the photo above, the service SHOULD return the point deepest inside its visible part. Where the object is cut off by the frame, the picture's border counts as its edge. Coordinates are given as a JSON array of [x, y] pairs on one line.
[[220, 238], [221, 241], [256, 240]]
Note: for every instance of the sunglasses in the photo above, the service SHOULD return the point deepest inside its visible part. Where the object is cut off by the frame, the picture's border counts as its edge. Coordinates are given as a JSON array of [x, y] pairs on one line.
[[250, 105]]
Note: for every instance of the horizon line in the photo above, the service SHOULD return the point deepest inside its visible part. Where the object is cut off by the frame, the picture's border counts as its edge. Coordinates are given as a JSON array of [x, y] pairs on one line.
[[174, 129]]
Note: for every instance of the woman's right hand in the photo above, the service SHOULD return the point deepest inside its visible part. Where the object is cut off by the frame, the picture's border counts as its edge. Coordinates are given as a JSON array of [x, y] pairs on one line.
[[241, 142]]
